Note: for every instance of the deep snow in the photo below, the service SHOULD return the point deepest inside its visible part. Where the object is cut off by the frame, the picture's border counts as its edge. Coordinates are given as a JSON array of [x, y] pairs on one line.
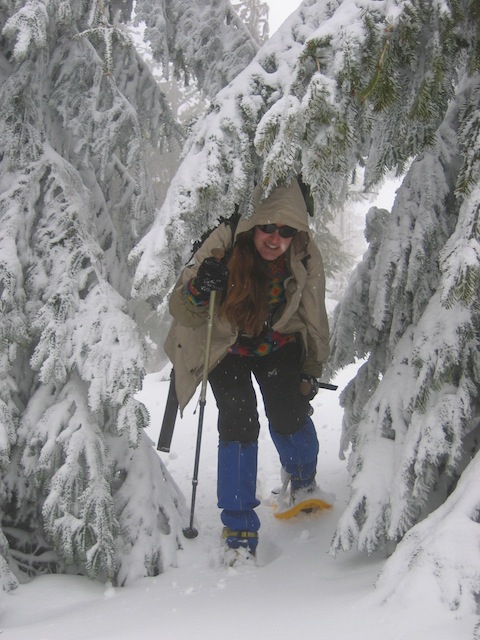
[[299, 589]]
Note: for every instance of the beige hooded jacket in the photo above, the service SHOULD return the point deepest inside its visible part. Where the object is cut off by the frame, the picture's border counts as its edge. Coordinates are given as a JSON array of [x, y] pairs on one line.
[[303, 314]]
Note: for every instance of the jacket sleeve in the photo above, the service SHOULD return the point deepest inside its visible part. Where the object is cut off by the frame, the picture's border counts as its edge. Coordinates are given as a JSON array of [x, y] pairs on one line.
[[180, 306], [315, 315]]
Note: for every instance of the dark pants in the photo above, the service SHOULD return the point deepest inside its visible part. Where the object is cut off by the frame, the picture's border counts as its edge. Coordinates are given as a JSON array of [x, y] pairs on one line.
[[278, 376], [293, 432]]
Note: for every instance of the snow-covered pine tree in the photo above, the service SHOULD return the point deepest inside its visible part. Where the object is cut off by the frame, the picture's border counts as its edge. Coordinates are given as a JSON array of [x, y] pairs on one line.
[[412, 413], [387, 86], [254, 13], [205, 40], [74, 199], [81, 485], [189, 101]]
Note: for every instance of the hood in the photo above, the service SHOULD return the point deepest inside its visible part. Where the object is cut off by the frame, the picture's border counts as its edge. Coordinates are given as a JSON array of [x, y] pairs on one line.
[[284, 205]]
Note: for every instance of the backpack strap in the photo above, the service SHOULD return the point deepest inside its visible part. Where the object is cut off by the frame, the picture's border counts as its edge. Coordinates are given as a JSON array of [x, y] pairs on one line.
[[232, 222]]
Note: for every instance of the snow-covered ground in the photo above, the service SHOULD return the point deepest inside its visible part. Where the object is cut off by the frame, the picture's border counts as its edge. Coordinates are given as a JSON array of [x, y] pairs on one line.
[[299, 589]]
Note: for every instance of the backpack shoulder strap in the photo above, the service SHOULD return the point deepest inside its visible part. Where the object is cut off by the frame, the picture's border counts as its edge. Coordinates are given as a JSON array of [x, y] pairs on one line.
[[232, 222]]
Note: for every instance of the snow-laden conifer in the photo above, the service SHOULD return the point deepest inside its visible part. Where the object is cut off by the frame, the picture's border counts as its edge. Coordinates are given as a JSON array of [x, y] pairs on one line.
[[254, 13], [205, 40], [81, 485], [412, 412]]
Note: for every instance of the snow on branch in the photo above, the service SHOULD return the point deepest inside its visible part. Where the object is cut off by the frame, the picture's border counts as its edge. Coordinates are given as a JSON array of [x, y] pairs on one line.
[[78, 512], [28, 28], [460, 258], [436, 555], [8, 581], [418, 387], [150, 520], [204, 39]]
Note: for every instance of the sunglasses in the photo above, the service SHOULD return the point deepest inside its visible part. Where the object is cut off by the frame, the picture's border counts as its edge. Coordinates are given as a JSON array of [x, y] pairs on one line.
[[285, 232]]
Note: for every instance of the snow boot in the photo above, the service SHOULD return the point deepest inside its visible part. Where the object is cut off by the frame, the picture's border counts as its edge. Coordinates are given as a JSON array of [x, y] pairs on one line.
[[240, 547], [236, 490]]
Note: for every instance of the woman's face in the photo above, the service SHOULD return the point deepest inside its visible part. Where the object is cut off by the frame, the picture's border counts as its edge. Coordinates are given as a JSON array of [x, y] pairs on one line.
[[270, 245]]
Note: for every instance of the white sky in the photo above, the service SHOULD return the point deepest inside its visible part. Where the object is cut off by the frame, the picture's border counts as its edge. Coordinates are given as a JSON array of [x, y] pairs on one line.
[[279, 11]]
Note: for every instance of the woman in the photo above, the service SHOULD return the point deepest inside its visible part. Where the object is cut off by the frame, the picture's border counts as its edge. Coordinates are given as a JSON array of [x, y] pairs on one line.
[[271, 322]]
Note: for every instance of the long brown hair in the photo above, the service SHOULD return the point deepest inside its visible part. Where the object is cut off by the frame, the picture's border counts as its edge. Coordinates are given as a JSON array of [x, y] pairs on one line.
[[246, 302]]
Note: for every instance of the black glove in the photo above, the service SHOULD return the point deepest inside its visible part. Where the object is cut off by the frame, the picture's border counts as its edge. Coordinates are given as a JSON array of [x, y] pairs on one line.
[[308, 386], [212, 276]]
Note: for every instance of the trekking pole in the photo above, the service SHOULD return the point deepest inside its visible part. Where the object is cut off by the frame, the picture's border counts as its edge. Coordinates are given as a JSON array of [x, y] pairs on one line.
[[191, 531]]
